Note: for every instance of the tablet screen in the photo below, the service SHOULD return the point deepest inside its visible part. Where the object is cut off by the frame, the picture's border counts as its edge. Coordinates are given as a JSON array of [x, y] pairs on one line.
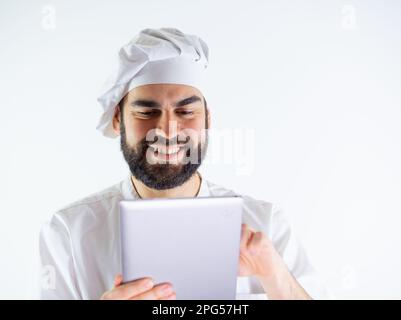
[[192, 243]]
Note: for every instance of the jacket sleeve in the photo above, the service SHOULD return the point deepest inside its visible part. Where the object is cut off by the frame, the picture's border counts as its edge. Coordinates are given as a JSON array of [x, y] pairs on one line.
[[291, 250], [58, 277]]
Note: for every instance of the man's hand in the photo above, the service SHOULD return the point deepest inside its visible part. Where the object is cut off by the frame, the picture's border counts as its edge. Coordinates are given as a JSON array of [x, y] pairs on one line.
[[141, 289], [259, 258]]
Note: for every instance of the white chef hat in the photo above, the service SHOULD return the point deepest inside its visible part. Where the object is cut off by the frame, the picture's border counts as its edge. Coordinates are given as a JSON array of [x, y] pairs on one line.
[[164, 55]]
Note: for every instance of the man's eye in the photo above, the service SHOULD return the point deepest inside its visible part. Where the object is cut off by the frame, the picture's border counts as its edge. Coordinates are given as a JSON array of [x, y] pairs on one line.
[[146, 113], [183, 112]]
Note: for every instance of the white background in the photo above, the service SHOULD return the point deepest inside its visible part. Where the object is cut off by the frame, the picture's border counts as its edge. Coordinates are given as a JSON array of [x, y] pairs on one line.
[[318, 82]]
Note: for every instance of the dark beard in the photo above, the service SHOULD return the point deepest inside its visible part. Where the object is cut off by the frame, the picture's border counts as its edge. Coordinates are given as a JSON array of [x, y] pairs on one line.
[[160, 176]]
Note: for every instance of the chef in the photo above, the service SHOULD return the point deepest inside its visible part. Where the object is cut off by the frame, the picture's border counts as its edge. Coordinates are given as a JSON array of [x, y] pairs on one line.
[[155, 102]]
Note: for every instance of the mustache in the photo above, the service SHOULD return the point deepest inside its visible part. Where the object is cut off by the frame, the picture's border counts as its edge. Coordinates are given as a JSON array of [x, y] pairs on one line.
[[160, 140]]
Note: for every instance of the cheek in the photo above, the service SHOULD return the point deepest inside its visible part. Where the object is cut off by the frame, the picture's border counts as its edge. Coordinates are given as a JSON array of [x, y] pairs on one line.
[[196, 124], [196, 131], [136, 130]]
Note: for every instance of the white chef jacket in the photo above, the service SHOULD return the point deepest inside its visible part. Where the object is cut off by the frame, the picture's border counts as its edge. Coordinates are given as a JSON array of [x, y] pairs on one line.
[[80, 245]]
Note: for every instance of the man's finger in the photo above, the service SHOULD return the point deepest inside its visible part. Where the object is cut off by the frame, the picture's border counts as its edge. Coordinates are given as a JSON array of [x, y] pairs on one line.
[[172, 296], [130, 289], [255, 243], [245, 235], [158, 292], [118, 280]]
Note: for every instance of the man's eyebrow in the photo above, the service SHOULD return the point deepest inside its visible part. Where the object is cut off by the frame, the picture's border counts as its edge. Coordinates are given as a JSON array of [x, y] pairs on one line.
[[186, 101], [145, 103], [154, 104]]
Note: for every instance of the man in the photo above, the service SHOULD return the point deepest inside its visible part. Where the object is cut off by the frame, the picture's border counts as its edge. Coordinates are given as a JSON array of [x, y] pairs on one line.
[[156, 104]]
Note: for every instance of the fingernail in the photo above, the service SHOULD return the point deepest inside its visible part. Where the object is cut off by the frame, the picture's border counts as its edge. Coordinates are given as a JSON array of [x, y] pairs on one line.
[[166, 289], [172, 297]]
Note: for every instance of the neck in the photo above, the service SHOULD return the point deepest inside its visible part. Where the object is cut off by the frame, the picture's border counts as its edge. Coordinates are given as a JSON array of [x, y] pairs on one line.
[[189, 189]]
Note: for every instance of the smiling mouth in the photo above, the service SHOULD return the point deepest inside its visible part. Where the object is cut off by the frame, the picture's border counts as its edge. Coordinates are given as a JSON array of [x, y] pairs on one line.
[[166, 153]]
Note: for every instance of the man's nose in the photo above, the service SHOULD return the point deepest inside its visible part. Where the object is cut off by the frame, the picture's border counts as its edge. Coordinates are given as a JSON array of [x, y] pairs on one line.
[[168, 126]]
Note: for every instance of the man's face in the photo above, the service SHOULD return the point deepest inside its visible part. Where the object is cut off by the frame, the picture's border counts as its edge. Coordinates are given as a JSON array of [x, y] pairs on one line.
[[163, 133]]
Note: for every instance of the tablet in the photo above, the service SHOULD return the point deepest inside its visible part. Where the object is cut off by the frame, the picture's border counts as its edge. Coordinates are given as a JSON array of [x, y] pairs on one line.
[[193, 243]]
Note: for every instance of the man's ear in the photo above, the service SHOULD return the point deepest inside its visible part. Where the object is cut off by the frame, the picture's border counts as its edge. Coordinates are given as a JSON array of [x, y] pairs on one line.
[[116, 120], [209, 118]]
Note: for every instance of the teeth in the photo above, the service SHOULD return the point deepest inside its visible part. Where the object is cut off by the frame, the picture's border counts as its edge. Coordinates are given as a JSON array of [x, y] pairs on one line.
[[170, 150]]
